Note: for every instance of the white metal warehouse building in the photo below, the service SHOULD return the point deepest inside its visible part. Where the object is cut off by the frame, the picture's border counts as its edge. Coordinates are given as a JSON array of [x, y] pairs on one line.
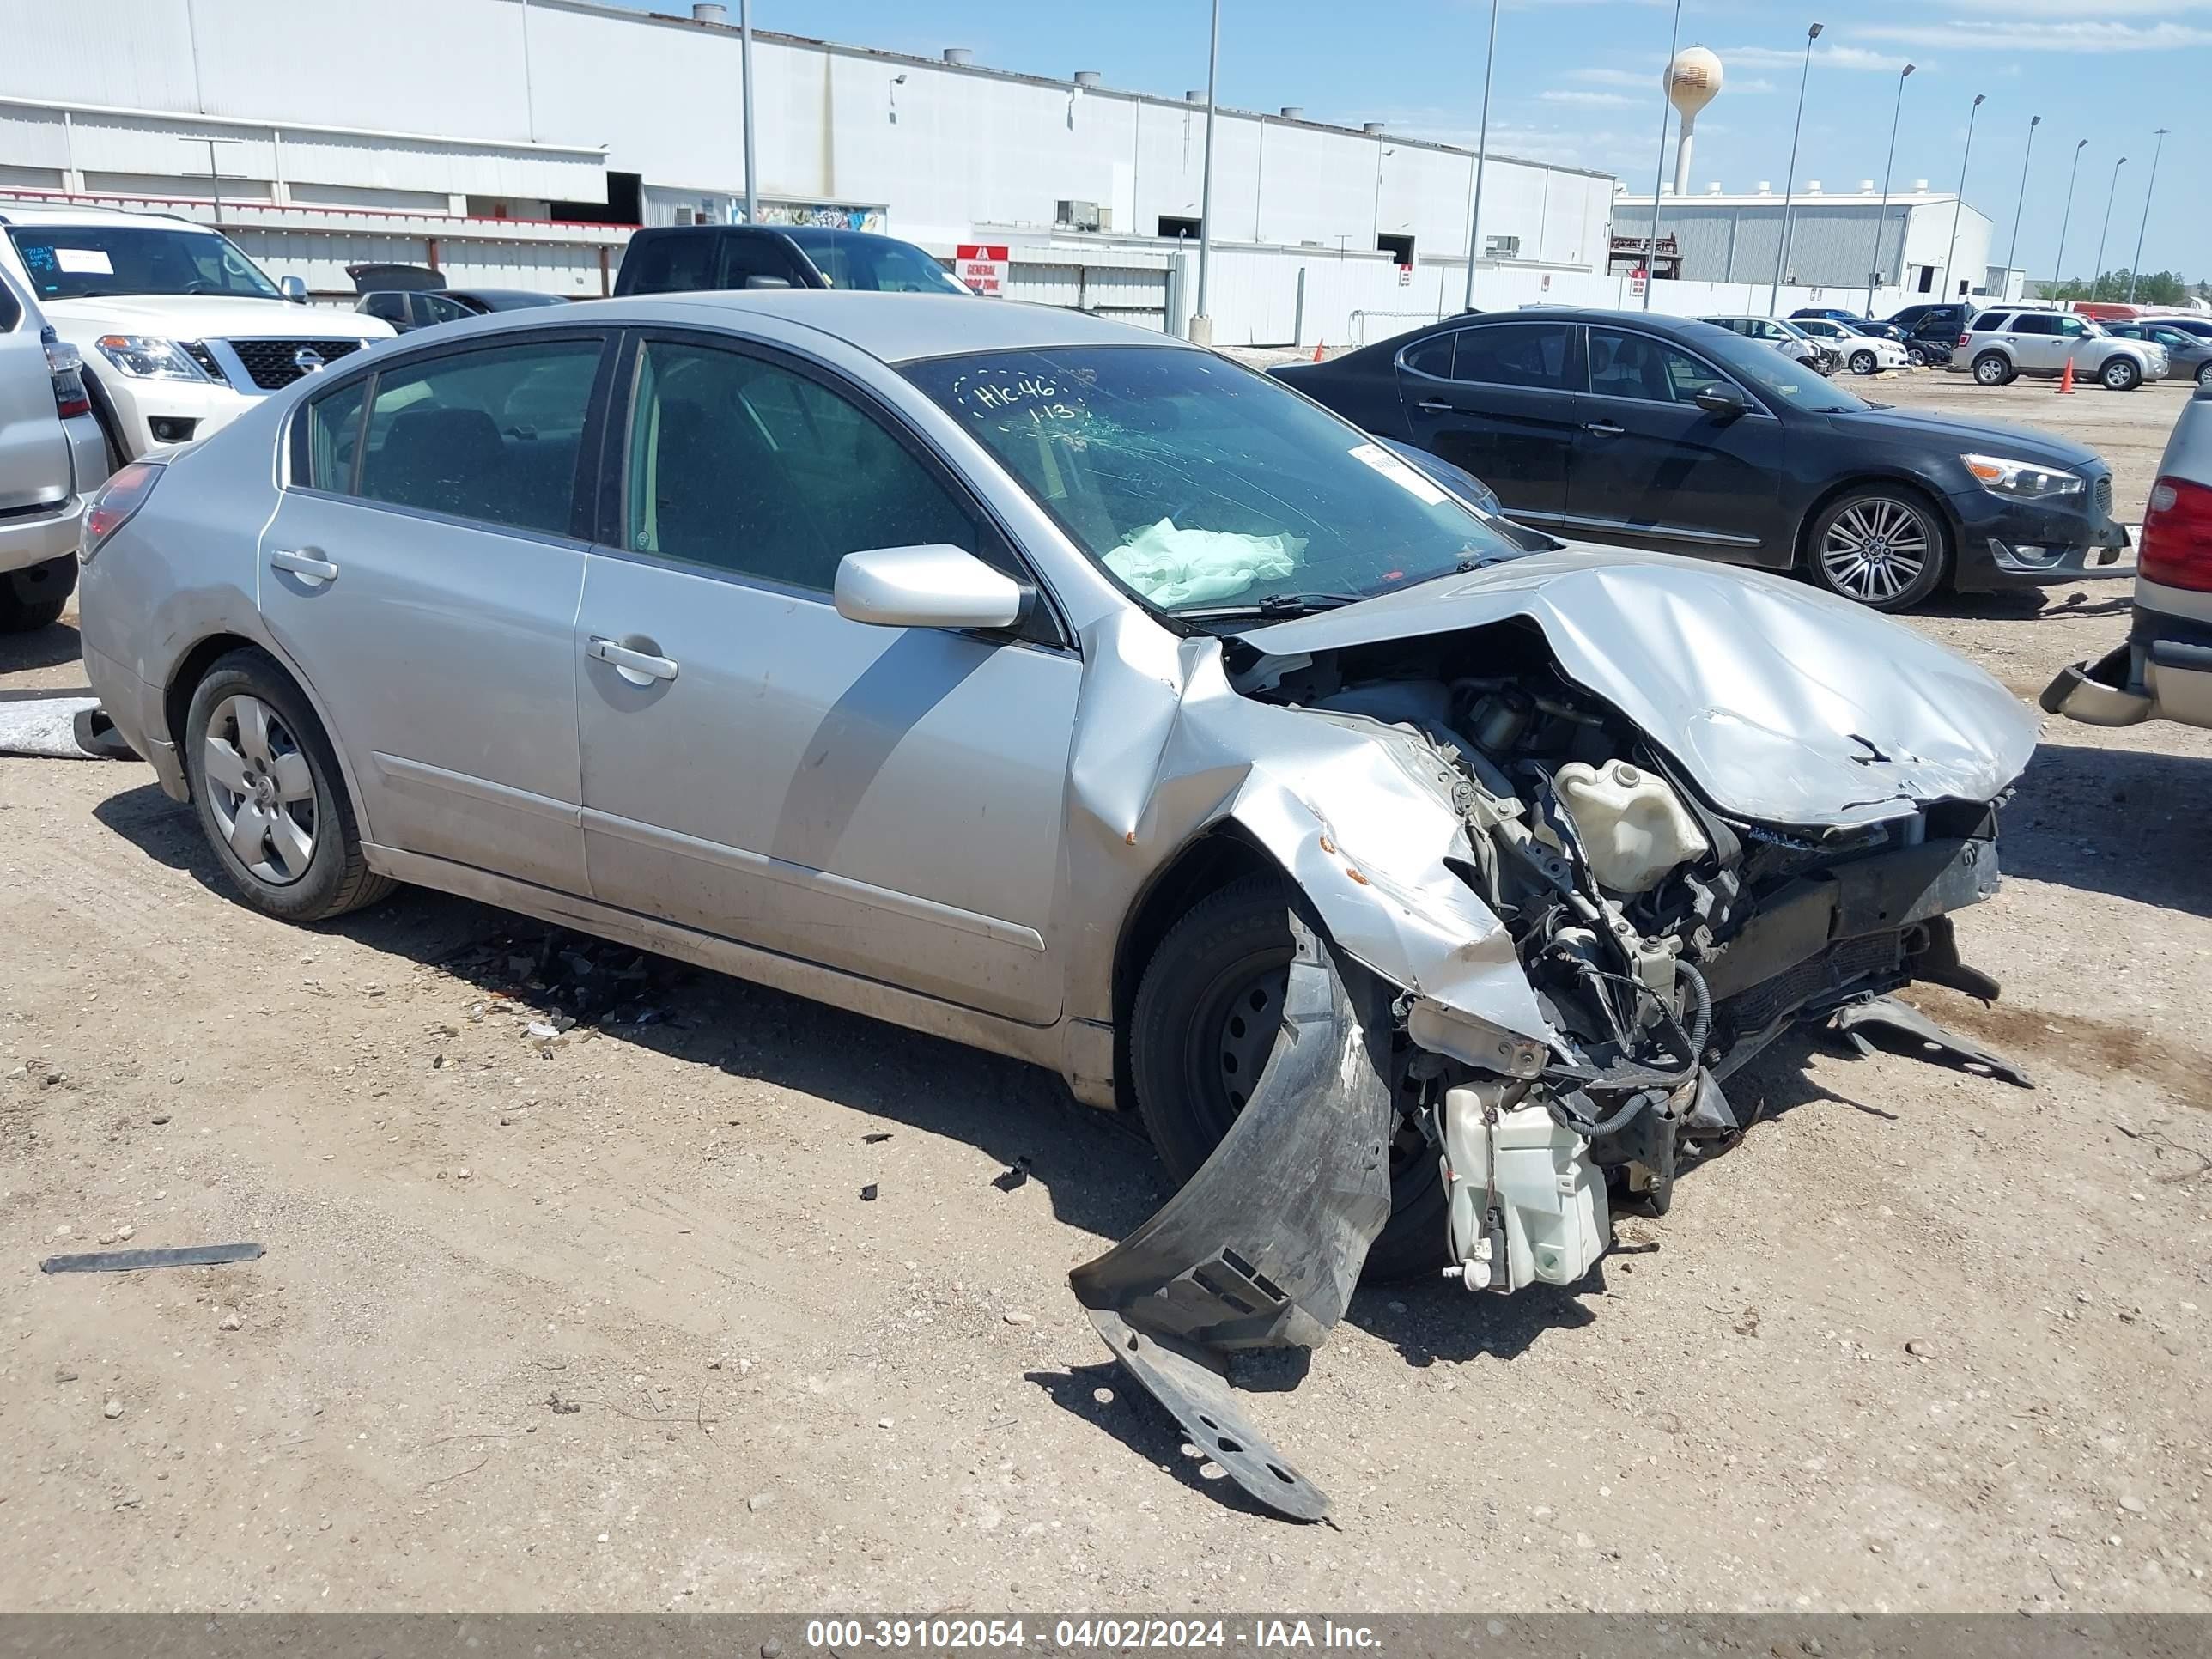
[[487, 136]]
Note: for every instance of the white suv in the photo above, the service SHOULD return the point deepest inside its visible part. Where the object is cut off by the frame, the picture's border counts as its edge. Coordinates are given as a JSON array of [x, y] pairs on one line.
[[180, 332], [2008, 340]]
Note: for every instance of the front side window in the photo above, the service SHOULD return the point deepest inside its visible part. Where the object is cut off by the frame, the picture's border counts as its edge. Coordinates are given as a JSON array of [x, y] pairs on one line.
[[883, 263], [1624, 365], [743, 465], [745, 256], [76, 262], [2075, 328], [490, 436], [437, 308], [1513, 354], [1201, 485]]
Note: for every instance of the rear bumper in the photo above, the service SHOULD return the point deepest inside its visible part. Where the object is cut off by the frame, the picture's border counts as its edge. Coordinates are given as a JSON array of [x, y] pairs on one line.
[[28, 541], [2163, 672], [2004, 544], [139, 720]]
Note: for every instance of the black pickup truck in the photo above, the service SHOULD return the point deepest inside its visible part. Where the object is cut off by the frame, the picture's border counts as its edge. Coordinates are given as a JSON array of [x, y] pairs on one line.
[[677, 258]]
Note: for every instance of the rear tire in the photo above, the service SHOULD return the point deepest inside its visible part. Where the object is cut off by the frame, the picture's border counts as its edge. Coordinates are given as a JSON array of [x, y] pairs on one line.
[[35, 598], [2120, 374], [2204, 377], [1863, 363], [1881, 545], [1200, 1027], [270, 796], [1992, 368]]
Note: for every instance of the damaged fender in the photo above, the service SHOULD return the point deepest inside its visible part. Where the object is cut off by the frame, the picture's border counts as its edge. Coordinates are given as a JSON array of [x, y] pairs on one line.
[[1262, 1247]]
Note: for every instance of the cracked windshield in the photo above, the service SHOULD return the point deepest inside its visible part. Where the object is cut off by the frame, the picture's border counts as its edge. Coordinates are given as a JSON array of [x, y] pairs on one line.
[[1204, 488]]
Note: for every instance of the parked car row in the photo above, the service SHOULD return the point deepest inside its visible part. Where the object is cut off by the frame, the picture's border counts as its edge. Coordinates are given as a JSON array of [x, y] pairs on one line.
[[1646, 430]]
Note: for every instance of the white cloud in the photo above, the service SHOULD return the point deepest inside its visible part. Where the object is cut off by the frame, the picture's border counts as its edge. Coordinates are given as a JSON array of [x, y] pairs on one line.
[[2097, 37], [1590, 99], [1833, 57], [1615, 77], [2079, 8]]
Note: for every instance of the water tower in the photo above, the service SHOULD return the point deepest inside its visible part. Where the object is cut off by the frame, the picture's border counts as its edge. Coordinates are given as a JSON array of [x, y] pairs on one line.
[[1693, 81]]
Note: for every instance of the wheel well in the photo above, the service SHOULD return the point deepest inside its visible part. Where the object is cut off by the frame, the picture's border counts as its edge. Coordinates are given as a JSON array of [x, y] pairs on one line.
[[1827, 498], [1206, 865], [177, 699]]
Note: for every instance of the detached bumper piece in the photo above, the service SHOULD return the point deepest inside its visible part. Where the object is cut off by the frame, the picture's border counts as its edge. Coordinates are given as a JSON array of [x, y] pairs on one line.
[[1262, 1247], [1889, 1014]]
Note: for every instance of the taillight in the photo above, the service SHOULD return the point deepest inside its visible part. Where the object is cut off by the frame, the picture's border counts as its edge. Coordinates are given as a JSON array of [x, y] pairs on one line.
[[1963, 338], [2177, 536], [122, 495], [67, 368]]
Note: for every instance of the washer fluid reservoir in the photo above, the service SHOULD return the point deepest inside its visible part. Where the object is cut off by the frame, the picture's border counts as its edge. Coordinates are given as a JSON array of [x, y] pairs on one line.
[[1633, 826]]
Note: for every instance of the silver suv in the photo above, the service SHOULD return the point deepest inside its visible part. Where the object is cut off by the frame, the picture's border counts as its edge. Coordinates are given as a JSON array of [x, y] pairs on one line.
[[2005, 342]]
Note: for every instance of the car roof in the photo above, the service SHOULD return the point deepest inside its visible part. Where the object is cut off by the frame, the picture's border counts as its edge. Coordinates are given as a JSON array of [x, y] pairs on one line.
[[13, 213], [893, 327]]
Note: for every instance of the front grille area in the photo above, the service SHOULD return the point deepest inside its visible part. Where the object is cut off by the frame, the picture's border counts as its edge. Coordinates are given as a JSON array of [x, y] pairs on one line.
[[270, 362], [197, 351], [1843, 963], [2102, 489]]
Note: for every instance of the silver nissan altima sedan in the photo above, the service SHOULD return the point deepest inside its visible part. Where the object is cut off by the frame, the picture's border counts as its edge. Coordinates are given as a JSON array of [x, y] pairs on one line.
[[1086, 696]]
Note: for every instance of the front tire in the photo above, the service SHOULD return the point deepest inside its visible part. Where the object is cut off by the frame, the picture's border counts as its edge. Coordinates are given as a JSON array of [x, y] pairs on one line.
[[1202, 1028], [2120, 374], [1863, 363], [2204, 376], [270, 796], [1883, 546], [1992, 368], [35, 598]]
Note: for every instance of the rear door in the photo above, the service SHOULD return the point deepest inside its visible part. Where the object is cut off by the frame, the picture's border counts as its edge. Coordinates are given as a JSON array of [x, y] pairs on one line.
[[885, 801], [1650, 467], [2033, 338], [1499, 400], [423, 570], [34, 450]]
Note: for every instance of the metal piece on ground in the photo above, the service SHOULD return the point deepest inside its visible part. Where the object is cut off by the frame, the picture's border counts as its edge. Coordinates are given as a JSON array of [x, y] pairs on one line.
[[125, 1261], [1262, 1247], [1903, 1017], [1190, 1383]]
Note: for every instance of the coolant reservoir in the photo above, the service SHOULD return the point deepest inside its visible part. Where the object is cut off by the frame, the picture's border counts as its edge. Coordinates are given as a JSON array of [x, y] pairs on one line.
[[1633, 826]]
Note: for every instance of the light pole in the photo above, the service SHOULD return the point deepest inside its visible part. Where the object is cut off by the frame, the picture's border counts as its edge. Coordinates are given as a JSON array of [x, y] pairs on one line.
[[1873, 268], [1659, 173], [2135, 270], [2097, 265], [214, 179], [1481, 155], [1959, 205], [2012, 259], [2066, 217], [1790, 178], [746, 75], [1201, 321]]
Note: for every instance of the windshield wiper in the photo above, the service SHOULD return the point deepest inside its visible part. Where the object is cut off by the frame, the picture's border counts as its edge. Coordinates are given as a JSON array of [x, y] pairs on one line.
[[1275, 605]]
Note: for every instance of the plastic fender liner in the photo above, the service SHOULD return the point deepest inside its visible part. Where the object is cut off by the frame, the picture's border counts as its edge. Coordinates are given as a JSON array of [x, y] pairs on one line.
[[1262, 1247]]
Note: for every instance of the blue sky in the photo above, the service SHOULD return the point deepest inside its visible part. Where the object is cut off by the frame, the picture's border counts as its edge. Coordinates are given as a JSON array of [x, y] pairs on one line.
[[1578, 82]]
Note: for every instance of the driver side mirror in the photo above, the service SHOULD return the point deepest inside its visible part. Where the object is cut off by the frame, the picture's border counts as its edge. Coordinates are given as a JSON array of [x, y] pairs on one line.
[[1721, 403], [933, 586], [294, 288]]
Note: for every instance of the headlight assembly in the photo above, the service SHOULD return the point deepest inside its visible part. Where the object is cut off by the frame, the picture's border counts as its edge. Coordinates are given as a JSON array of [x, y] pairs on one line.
[[149, 357], [2023, 480]]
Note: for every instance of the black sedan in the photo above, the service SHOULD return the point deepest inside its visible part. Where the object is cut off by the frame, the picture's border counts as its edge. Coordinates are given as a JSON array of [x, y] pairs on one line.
[[1657, 432]]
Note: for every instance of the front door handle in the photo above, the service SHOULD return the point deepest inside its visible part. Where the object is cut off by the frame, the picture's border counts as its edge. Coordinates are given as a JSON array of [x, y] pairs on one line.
[[1435, 406], [638, 668], [306, 561], [1604, 429]]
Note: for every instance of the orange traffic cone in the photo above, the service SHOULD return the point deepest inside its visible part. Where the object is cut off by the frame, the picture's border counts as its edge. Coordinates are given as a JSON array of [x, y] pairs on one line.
[[2066, 380], [1319, 347]]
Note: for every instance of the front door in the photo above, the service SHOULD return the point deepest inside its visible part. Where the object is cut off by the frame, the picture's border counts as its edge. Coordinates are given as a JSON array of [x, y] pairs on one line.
[[1651, 467], [421, 571], [1497, 398], [884, 801]]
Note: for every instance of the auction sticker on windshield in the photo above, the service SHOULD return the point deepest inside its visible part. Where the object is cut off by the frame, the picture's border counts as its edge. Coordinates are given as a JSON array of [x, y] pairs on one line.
[[85, 261], [1399, 474]]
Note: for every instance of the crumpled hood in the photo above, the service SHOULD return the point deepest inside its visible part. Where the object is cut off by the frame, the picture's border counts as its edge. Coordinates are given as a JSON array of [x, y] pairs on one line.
[[1783, 704], [207, 316]]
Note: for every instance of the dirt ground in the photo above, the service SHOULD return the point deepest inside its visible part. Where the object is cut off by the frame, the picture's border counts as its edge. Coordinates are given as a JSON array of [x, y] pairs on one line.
[[607, 1324]]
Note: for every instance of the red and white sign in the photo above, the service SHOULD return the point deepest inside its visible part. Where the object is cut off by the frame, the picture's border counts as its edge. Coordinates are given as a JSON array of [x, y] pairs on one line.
[[1405, 276], [1636, 278], [982, 266]]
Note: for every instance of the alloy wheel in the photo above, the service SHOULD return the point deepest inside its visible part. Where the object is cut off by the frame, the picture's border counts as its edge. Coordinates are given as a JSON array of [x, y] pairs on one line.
[[1863, 363], [1876, 548], [261, 790]]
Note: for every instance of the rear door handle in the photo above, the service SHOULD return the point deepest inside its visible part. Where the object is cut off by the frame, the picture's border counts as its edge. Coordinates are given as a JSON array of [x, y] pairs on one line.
[[304, 562], [1604, 429], [1437, 406], [638, 668]]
